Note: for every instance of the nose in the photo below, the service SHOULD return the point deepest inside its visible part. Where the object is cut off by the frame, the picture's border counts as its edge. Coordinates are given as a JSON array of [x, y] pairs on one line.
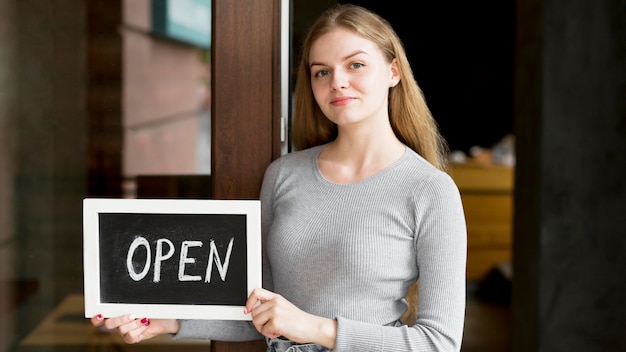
[[339, 81]]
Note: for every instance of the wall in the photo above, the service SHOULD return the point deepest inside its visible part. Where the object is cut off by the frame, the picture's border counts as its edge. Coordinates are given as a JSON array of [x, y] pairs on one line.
[[166, 100]]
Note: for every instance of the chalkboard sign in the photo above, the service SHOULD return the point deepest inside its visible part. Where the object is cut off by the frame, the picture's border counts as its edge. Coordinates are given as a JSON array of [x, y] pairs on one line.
[[171, 258]]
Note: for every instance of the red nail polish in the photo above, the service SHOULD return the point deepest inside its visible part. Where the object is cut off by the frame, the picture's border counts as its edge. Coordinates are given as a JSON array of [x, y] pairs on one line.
[[145, 321], [99, 316]]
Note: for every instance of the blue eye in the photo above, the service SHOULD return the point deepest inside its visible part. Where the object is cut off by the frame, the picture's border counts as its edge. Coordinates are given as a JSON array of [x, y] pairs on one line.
[[356, 65], [322, 73]]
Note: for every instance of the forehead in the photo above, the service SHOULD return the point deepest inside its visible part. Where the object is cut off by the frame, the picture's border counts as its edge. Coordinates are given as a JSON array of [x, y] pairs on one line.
[[340, 42]]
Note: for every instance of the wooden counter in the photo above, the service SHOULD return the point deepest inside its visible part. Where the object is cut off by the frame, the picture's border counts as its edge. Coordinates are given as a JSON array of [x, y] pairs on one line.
[[487, 194], [66, 329]]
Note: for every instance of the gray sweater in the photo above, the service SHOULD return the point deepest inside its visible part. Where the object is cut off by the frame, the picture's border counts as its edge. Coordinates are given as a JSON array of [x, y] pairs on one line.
[[350, 252]]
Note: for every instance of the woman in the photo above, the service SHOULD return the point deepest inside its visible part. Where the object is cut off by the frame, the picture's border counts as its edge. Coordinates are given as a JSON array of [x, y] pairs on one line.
[[362, 211]]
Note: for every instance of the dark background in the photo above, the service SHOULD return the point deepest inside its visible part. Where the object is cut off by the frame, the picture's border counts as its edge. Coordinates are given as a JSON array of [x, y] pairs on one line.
[[461, 54]]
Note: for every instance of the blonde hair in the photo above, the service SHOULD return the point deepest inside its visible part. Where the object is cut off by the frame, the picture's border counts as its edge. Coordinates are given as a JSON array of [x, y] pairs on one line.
[[410, 117]]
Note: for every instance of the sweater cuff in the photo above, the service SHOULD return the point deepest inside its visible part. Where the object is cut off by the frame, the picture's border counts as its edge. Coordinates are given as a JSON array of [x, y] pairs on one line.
[[356, 336]]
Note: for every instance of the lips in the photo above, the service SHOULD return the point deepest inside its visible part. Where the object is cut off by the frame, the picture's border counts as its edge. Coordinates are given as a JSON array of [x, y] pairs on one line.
[[339, 101]]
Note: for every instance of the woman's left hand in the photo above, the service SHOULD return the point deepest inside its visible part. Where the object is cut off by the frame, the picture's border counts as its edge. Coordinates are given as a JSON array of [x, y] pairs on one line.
[[274, 316]]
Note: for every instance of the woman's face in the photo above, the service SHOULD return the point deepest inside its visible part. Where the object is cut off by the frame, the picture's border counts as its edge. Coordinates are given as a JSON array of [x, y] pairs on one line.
[[350, 78]]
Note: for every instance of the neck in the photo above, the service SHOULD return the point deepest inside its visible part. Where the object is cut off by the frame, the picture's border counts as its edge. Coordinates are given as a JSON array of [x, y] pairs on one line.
[[366, 144], [354, 156]]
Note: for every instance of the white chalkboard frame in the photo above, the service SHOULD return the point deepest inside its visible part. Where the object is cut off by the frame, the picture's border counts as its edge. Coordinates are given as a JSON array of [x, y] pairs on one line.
[[92, 207]]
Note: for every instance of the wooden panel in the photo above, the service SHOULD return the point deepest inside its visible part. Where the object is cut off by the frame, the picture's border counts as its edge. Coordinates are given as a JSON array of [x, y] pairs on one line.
[[489, 218], [487, 194], [480, 177], [481, 260], [245, 95], [245, 86], [104, 104]]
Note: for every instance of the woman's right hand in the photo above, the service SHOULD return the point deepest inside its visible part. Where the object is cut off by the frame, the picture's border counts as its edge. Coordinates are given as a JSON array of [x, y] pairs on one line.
[[135, 330]]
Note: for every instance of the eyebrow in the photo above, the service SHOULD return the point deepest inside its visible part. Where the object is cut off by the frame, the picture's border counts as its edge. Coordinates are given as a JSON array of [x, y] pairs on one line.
[[354, 53]]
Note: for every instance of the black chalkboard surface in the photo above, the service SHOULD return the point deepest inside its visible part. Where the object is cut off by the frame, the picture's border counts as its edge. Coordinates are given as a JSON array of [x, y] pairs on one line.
[[171, 258]]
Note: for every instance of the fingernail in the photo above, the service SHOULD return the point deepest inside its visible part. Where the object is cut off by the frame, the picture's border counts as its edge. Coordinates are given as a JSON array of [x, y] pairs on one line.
[[145, 321], [99, 316]]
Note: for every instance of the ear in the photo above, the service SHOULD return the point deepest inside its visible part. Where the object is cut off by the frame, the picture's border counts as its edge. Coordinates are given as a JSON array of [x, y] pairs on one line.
[[395, 73]]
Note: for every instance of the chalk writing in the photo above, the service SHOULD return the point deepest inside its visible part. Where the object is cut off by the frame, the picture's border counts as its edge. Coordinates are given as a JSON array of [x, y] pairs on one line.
[[184, 259]]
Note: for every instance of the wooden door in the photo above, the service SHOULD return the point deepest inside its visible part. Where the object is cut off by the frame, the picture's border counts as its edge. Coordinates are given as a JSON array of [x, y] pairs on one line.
[[245, 106]]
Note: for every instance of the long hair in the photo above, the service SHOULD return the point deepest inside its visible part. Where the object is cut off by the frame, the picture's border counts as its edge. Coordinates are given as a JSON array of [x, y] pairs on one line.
[[409, 116]]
